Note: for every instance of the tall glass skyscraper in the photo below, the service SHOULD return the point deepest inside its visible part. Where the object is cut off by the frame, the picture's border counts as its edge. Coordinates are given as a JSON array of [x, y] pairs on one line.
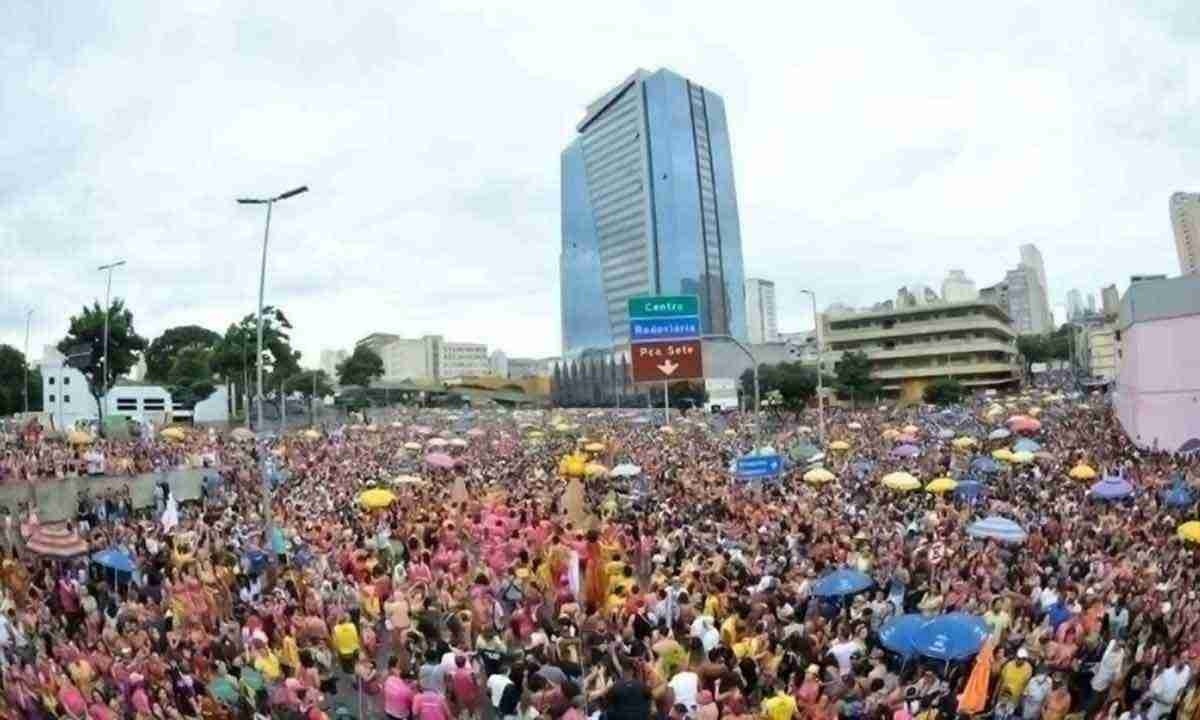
[[649, 208]]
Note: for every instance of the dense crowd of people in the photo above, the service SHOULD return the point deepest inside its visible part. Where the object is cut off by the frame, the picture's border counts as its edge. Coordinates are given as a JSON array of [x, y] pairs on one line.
[[484, 584]]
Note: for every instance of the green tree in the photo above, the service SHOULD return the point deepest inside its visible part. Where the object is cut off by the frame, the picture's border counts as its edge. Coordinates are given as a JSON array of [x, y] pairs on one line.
[[790, 384], [190, 379], [1045, 348], [233, 359], [161, 355], [14, 374], [854, 379], [944, 391], [87, 330], [363, 366]]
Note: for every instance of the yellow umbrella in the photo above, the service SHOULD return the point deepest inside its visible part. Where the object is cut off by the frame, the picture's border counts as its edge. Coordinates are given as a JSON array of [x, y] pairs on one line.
[[536, 434], [839, 446], [1034, 411], [376, 498], [891, 434], [1189, 531], [79, 437], [964, 442], [941, 485], [730, 432], [594, 447], [173, 433], [911, 429], [1003, 454], [311, 434], [407, 480], [242, 434], [562, 427], [1082, 472], [819, 476], [1022, 457], [595, 470], [854, 426], [572, 466], [901, 481], [667, 429]]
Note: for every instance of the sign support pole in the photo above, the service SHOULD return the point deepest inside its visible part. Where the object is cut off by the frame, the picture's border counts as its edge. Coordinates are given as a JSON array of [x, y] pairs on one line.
[[666, 403]]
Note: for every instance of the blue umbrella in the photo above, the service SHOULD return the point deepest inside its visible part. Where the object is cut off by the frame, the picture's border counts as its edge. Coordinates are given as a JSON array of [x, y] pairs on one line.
[[950, 637], [906, 451], [1026, 445], [946, 434], [997, 528], [985, 464], [1112, 487], [1178, 496], [1190, 446], [899, 634], [862, 468], [115, 559], [998, 434], [969, 489], [841, 582]]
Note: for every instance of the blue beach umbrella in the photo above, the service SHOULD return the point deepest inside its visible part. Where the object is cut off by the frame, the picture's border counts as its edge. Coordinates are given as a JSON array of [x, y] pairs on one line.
[[1178, 496], [951, 637], [906, 451], [1026, 445], [841, 582], [997, 528], [899, 634], [1112, 487], [115, 559], [985, 464]]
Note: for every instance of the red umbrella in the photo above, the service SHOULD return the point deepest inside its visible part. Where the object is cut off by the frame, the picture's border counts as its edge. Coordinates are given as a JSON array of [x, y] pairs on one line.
[[1024, 424], [56, 541]]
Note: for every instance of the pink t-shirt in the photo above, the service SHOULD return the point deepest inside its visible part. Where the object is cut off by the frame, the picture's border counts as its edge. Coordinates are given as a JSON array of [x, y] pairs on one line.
[[430, 706], [397, 697], [72, 700]]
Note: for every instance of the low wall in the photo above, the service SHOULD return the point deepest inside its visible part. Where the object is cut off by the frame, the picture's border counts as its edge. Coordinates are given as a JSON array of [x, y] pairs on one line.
[[59, 499]]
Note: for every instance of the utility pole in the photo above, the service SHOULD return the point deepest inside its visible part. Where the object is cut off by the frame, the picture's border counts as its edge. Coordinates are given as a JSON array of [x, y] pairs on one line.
[[262, 279], [107, 311], [28, 317], [820, 369]]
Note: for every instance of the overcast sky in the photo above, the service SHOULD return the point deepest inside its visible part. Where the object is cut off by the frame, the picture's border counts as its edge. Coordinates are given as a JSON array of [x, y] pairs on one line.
[[873, 146]]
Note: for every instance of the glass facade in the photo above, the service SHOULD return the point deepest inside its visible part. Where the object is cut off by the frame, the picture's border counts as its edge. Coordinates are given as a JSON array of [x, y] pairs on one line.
[[649, 208]]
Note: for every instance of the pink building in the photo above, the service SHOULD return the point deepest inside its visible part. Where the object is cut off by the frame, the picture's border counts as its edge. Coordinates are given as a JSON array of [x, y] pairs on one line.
[[1157, 397]]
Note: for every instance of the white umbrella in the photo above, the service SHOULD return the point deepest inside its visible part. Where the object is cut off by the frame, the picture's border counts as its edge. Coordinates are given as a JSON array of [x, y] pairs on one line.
[[626, 470]]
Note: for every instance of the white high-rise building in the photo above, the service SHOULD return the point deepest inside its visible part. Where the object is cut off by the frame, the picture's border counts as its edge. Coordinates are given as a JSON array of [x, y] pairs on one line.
[[1091, 304], [957, 287], [1185, 221], [762, 319], [1042, 321], [1074, 304]]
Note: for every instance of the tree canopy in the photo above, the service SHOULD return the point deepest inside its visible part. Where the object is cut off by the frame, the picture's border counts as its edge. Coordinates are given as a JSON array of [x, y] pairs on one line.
[[190, 379], [234, 354], [87, 330], [165, 349], [854, 379], [13, 374], [944, 391], [303, 383], [1047, 347], [794, 383], [363, 366]]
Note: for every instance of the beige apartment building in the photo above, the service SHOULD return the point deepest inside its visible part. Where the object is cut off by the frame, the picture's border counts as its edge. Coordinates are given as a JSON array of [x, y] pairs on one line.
[[972, 342]]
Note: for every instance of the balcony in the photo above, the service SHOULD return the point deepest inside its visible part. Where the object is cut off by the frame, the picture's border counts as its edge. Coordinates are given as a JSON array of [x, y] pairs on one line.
[[942, 348], [948, 370], [927, 327]]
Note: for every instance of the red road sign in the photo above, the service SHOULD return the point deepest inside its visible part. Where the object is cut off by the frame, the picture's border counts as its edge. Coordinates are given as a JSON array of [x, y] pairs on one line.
[[664, 361]]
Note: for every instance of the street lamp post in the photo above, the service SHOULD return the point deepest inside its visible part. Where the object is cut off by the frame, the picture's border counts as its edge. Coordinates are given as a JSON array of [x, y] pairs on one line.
[[820, 382], [258, 391], [107, 311], [28, 317]]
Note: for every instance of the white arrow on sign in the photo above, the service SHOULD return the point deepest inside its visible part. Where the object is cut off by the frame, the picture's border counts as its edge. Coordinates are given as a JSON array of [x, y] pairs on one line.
[[668, 368]]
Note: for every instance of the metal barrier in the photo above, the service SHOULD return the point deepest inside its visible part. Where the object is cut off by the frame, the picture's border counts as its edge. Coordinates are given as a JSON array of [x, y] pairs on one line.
[[59, 499]]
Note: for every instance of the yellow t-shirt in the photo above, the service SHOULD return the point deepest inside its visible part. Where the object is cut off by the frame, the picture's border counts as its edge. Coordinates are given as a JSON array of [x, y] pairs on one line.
[[729, 631], [1014, 678], [345, 639], [268, 665], [779, 707], [713, 606], [290, 652]]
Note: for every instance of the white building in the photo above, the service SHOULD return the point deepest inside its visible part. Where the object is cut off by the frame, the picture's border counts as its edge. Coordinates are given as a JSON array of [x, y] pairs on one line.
[[1039, 294], [68, 401], [462, 359], [428, 357], [1185, 221], [762, 319], [957, 287], [498, 362]]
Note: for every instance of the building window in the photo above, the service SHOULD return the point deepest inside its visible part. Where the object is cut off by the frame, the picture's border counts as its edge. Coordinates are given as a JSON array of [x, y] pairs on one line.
[[52, 382], [127, 404], [66, 398], [51, 394]]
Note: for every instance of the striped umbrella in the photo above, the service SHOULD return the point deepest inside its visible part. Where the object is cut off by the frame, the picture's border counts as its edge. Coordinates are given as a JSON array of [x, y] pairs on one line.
[[56, 541], [997, 528]]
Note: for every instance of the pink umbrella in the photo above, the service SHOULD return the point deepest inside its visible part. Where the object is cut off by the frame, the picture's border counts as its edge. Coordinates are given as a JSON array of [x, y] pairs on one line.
[[422, 430], [442, 461], [476, 432], [1025, 425]]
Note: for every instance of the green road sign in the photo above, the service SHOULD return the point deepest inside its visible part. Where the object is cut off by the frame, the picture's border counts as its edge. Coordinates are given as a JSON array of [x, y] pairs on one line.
[[664, 306]]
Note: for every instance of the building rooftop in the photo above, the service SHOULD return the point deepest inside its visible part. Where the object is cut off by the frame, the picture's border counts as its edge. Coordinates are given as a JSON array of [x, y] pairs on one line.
[[917, 310], [1160, 299]]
